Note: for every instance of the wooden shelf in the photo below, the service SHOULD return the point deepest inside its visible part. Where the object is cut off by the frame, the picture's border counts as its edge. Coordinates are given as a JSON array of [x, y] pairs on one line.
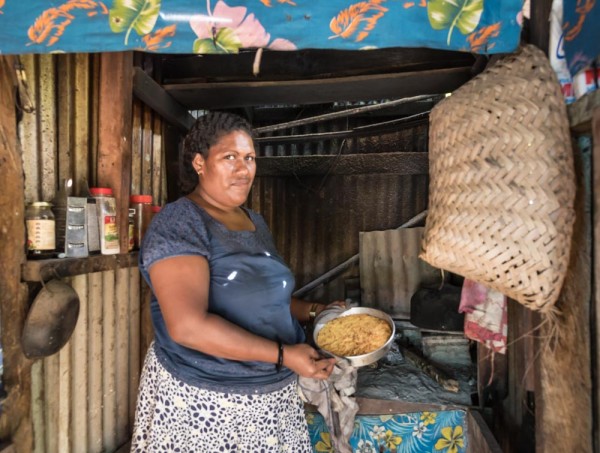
[[43, 270], [580, 112]]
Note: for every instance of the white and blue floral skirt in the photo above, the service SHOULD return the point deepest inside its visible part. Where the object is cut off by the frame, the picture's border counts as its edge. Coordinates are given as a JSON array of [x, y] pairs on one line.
[[172, 416]]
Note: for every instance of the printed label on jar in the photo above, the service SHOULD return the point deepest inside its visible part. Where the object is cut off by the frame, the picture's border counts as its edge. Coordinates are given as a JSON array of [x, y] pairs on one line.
[[111, 233], [40, 235]]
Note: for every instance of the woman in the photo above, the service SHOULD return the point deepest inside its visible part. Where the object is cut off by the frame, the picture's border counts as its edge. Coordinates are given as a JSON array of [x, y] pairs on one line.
[[221, 373]]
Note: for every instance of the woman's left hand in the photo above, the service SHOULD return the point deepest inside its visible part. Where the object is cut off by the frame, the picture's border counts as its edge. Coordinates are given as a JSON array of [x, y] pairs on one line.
[[334, 304]]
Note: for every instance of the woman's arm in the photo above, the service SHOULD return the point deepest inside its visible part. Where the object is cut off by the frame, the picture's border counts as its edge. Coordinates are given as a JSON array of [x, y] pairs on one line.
[[181, 286]]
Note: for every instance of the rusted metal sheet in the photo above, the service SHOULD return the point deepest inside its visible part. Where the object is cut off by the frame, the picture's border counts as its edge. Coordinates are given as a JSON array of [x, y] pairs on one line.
[[391, 271], [82, 394], [83, 398], [316, 221]]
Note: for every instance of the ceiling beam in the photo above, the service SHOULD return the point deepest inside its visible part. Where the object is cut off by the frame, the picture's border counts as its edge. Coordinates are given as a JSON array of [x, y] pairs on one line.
[[153, 95], [316, 91]]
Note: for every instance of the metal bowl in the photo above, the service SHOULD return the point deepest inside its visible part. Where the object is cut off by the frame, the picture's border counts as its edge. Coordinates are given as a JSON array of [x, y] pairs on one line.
[[363, 359]]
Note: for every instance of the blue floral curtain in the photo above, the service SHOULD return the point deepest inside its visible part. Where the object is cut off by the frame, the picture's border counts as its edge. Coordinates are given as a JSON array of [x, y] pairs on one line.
[[581, 25], [218, 26]]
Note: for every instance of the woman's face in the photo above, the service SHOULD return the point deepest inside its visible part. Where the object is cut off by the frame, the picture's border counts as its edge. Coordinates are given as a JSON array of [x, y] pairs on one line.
[[228, 172]]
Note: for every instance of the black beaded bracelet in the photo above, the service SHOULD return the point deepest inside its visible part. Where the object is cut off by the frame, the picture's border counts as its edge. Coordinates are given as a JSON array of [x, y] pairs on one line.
[[279, 357]]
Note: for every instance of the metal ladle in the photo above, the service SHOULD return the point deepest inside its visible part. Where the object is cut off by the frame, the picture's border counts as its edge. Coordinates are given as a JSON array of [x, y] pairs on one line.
[[51, 320]]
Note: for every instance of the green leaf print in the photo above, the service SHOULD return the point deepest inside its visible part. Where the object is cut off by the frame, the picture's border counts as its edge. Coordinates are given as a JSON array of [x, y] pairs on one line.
[[225, 41], [138, 15], [464, 14]]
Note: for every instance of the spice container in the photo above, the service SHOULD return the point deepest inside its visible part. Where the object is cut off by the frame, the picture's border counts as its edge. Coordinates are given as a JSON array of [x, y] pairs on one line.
[[41, 241], [106, 208], [143, 214]]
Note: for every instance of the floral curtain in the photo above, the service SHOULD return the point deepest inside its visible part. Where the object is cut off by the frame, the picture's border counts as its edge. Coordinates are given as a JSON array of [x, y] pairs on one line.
[[225, 26]]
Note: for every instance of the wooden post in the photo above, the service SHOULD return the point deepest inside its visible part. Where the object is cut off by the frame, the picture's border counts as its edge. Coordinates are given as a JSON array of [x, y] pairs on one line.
[[114, 138], [596, 276], [15, 418]]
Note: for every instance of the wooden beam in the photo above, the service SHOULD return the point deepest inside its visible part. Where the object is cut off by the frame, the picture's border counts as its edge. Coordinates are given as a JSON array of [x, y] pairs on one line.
[[358, 88], [15, 418], [408, 163], [44, 270], [596, 276], [114, 137], [540, 24], [306, 64], [153, 95]]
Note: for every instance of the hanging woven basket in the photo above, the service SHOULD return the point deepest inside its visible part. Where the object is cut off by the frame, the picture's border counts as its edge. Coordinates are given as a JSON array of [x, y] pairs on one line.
[[502, 181]]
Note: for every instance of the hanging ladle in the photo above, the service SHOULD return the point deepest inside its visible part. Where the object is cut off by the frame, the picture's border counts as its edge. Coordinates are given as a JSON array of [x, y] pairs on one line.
[[51, 320]]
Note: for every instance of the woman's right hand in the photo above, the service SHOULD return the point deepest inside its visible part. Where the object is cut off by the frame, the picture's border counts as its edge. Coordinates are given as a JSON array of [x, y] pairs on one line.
[[305, 361]]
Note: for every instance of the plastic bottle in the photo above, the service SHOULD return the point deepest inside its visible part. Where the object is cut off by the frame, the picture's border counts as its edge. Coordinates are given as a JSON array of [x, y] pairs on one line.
[[107, 220], [143, 214]]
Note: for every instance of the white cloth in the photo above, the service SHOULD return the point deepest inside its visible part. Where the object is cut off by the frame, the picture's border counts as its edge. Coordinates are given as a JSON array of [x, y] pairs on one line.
[[334, 402]]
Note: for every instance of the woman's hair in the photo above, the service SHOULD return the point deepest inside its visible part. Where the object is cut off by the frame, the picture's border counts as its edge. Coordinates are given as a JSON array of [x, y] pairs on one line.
[[206, 131]]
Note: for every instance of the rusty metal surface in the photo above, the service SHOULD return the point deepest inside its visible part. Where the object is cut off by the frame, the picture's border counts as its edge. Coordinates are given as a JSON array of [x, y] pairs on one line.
[[391, 271], [316, 221], [84, 396]]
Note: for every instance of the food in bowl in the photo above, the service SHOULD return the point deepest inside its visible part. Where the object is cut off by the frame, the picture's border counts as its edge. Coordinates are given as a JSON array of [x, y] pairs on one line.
[[354, 335]]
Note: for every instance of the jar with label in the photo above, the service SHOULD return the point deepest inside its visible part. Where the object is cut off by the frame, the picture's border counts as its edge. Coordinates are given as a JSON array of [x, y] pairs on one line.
[[41, 240], [106, 206], [143, 214]]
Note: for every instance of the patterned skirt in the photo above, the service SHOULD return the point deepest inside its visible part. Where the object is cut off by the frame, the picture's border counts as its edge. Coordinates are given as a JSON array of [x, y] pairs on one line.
[[172, 416]]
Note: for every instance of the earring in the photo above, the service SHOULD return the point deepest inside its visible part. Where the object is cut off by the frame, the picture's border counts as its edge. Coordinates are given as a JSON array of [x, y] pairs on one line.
[[199, 170]]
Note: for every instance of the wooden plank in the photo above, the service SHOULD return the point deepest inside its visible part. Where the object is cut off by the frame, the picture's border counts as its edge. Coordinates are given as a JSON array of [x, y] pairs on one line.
[[358, 88], [79, 381], [481, 439], [64, 116], [146, 175], [539, 24], [28, 131], [15, 417], [44, 270], [153, 95], [114, 141], [63, 390], [109, 394], [581, 112], [563, 403], [122, 355], [81, 122], [52, 398], [596, 276], [409, 163], [95, 363], [157, 158], [47, 132], [134, 341], [37, 408], [136, 148], [307, 63]]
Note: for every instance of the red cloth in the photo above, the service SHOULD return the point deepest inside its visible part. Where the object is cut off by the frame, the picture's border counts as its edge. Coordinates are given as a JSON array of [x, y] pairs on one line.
[[486, 318]]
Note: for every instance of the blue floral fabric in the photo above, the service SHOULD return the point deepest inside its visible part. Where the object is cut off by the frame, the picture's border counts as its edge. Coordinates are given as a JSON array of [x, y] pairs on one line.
[[431, 432], [223, 26], [581, 33]]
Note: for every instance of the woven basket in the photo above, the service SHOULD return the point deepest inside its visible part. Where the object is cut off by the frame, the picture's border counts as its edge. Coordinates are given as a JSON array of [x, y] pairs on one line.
[[502, 181]]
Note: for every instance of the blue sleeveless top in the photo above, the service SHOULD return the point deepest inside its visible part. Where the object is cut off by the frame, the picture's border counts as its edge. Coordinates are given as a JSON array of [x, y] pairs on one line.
[[250, 286]]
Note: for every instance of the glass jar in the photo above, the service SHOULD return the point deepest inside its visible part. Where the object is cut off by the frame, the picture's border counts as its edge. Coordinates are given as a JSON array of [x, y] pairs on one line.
[[41, 227], [143, 214]]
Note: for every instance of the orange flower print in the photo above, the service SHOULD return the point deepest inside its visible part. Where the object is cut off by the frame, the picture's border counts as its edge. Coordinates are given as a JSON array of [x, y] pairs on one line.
[[582, 7], [154, 41], [268, 2], [51, 24], [1, 5], [481, 38], [362, 15]]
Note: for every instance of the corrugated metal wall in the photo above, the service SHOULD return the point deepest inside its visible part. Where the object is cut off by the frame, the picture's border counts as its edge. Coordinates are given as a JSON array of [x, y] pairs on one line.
[[84, 396], [316, 220]]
